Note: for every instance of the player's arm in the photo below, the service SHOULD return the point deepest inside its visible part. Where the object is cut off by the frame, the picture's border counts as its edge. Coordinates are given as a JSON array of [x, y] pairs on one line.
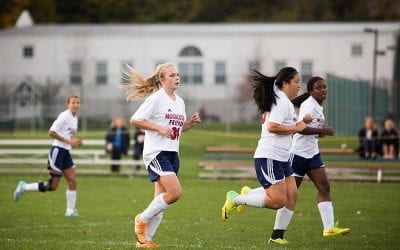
[[73, 141], [151, 126], [193, 121], [285, 130]]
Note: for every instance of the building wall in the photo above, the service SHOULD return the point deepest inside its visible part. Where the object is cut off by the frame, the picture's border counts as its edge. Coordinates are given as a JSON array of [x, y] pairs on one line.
[[328, 47]]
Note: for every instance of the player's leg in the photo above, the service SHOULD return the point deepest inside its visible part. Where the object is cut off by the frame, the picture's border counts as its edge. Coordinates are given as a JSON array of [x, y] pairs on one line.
[[320, 179], [50, 185], [163, 170], [271, 179], [284, 215], [71, 193]]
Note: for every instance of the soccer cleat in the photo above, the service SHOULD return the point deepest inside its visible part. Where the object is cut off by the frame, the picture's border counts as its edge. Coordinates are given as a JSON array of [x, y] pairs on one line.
[[19, 190], [335, 231], [147, 244], [140, 230], [229, 204], [243, 190], [70, 214], [278, 241]]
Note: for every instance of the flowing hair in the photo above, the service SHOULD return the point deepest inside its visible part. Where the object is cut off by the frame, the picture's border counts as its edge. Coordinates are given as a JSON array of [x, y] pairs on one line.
[[297, 101], [263, 87], [138, 86]]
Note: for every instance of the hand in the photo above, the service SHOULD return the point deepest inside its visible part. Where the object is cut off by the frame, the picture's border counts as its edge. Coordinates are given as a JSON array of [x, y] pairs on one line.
[[329, 131], [167, 131], [307, 118], [109, 146], [75, 142], [195, 119], [300, 126]]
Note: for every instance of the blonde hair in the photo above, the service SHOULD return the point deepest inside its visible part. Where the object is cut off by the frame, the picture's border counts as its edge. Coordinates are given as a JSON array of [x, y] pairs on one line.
[[389, 124], [138, 86]]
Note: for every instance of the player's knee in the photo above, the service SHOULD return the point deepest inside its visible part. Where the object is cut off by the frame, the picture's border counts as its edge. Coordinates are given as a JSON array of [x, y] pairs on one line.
[[277, 202], [48, 186], [173, 195]]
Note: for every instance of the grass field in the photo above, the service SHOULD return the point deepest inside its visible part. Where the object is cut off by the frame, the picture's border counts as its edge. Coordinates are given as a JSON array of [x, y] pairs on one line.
[[109, 203]]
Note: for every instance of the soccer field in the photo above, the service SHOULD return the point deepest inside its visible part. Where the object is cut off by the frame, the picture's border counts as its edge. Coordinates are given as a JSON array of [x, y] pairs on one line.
[[108, 205]]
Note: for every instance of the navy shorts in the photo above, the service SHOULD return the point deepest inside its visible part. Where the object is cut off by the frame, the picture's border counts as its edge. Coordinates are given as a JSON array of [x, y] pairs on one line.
[[271, 171], [165, 163], [59, 159], [302, 165]]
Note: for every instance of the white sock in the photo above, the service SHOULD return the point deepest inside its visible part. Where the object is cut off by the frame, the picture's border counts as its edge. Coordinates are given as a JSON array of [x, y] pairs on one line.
[[153, 225], [31, 186], [157, 206], [283, 218], [326, 211], [71, 200], [257, 190], [253, 200]]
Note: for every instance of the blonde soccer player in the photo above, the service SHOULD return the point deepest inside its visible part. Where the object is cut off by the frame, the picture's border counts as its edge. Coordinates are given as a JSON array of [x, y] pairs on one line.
[[163, 117]]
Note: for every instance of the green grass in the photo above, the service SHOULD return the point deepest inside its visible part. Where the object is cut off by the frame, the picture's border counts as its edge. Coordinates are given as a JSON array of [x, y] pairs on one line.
[[108, 204]]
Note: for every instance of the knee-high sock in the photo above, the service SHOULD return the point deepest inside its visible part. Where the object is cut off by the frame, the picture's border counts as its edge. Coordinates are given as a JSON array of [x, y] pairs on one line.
[[257, 190], [158, 205], [283, 218], [152, 226], [71, 200], [253, 200], [31, 186], [326, 211]]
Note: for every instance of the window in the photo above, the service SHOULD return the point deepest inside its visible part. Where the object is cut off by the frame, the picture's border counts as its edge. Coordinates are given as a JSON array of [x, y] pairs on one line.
[[28, 51], [124, 70], [75, 76], [101, 73], [356, 50], [191, 65], [279, 64], [306, 71], [220, 75], [191, 73]]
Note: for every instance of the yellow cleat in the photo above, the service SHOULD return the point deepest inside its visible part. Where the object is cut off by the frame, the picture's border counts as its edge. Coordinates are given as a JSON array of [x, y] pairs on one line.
[[229, 204], [335, 231], [243, 190], [278, 241]]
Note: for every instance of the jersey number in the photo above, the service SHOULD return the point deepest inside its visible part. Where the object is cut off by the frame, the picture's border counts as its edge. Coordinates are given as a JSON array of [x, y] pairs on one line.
[[175, 133]]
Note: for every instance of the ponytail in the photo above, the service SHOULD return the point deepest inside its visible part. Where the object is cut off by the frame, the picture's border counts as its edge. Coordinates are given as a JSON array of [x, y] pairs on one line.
[[138, 86], [263, 91]]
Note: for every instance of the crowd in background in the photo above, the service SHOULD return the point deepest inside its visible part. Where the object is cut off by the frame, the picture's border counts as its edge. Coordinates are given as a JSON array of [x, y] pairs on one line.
[[378, 142]]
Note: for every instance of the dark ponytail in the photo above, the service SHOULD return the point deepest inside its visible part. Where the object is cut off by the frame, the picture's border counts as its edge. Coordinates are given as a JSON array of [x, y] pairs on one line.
[[263, 91], [263, 87]]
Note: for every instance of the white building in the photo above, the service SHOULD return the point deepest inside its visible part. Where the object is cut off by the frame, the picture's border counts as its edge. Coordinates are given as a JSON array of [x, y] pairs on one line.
[[213, 59]]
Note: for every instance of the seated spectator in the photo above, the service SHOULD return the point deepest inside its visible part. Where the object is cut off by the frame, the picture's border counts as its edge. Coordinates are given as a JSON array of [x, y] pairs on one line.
[[368, 139], [389, 140]]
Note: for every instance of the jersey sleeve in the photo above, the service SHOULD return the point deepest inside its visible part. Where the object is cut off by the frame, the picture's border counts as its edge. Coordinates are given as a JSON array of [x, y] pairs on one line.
[[58, 123], [278, 112], [146, 110], [304, 109]]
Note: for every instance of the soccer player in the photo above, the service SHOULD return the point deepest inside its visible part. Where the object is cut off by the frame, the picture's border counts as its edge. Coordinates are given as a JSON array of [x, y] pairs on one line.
[[271, 159], [306, 159], [60, 162], [163, 117]]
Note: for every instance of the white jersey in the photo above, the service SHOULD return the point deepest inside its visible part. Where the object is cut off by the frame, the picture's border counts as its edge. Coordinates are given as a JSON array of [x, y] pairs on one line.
[[160, 109], [271, 145], [66, 126], [307, 145]]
